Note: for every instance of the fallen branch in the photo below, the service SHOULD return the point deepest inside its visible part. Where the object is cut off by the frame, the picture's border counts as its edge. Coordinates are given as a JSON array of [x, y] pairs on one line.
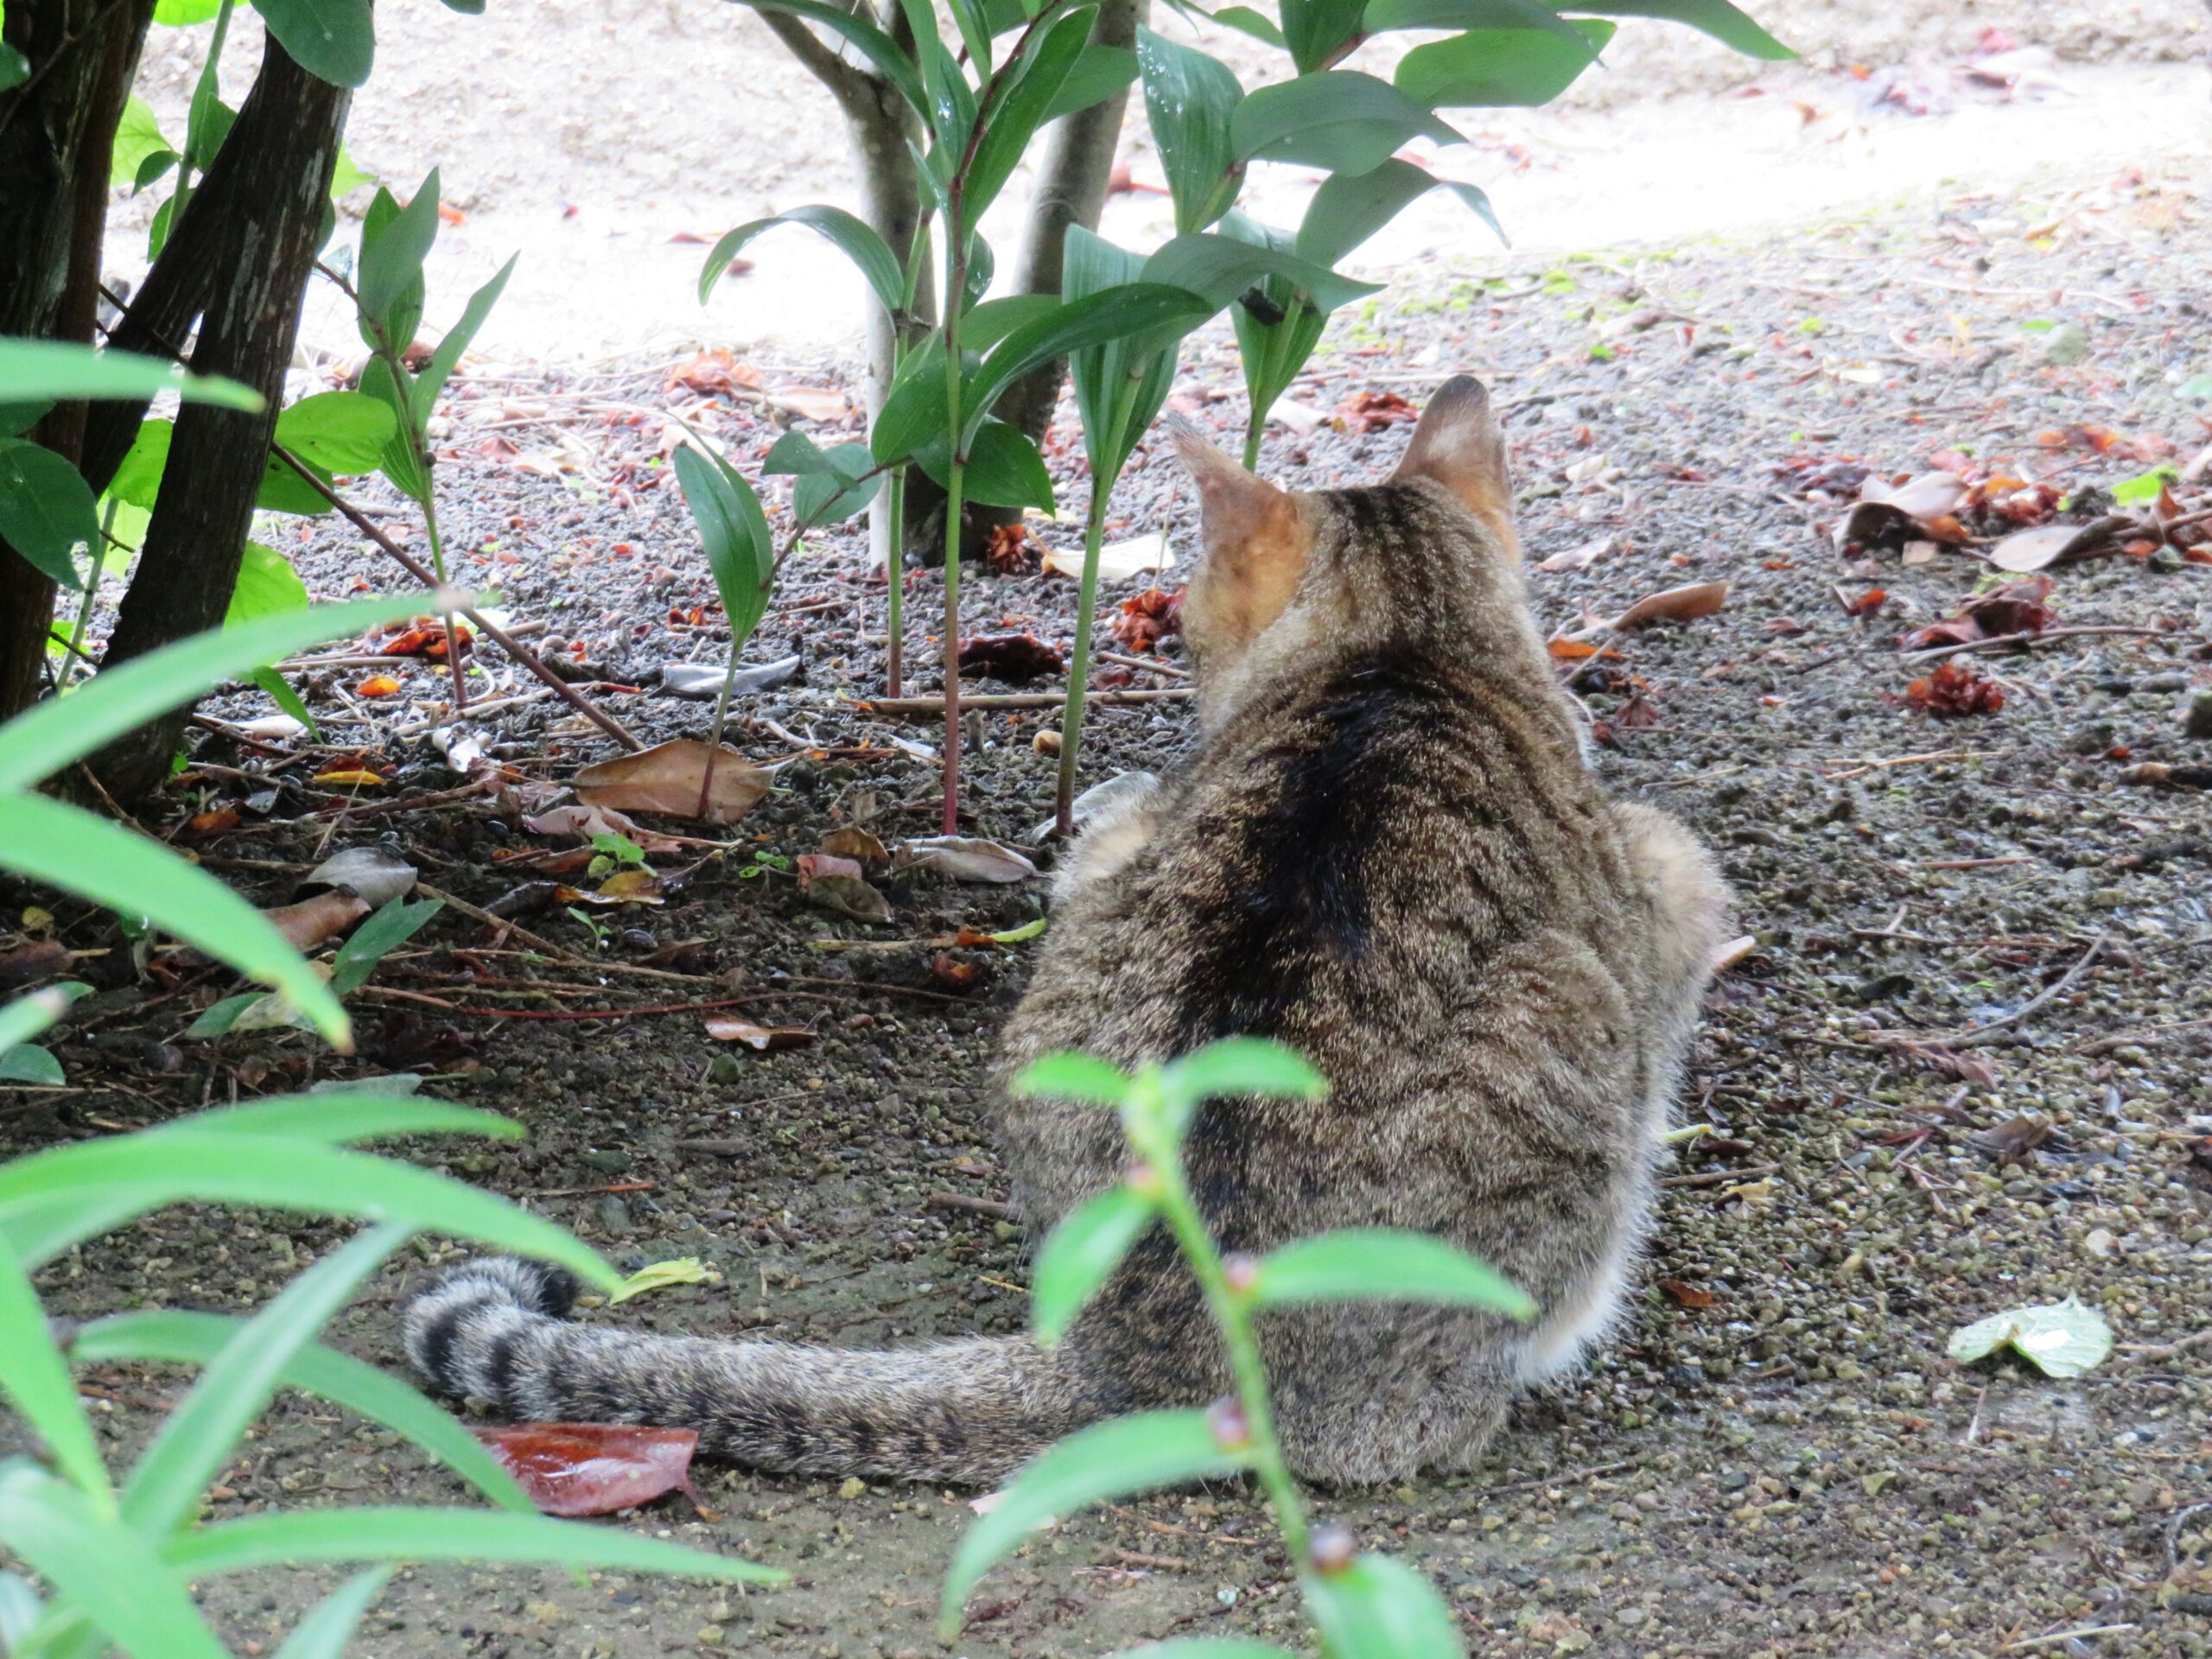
[[991, 1207], [2028, 641]]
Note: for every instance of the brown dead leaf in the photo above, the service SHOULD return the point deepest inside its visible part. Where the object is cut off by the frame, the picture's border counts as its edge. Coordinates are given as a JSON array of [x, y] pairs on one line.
[[1687, 1295], [766, 1039], [1577, 558], [2046, 544], [814, 865], [1008, 551], [377, 685], [1016, 658], [2017, 1135], [573, 1469], [957, 974], [349, 778], [1684, 604], [1371, 411], [835, 884], [217, 823], [966, 858], [316, 921], [1147, 618], [811, 403], [1954, 689], [714, 370], [684, 778], [589, 821], [855, 843], [27, 963]]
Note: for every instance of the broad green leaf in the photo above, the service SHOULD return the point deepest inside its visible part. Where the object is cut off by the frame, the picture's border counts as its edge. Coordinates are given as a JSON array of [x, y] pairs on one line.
[[70, 849], [735, 533], [2059, 1339], [137, 480], [197, 1439], [1313, 29], [1075, 1076], [994, 319], [267, 586], [914, 411], [1037, 77], [1341, 120], [422, 395], [36, 1380], [832, 483], [1118, 387], [399, 463], [1384, 1264], [103, 1566], [394, 244], [1715, 17], [326, 1633], [1258, 25], [346, 176], [1103, 72], [882, 53], [1080, 1255], [1223, 268], [856, 239], [48, 737], [333, 39], [179, 1337], [428, 1535], [14, 68], [183, 14], [658, 1276], [1191, 100], [1110, 1459], [178, 1167], [137, 140], [1349, 207], [1146, 314], [1499, 68], [338, 431], [15, 419], [2143, 488], [1278, 323], [394, 923], [1379, 1608], [45, 510], [282, 489], [1004, 469], [29, 1062]]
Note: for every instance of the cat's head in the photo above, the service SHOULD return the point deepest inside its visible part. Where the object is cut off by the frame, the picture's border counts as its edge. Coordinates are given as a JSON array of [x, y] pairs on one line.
[[1395, 561]]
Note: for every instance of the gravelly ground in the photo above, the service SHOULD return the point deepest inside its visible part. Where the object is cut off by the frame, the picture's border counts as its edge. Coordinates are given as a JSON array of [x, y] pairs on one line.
[[1795, 1468]]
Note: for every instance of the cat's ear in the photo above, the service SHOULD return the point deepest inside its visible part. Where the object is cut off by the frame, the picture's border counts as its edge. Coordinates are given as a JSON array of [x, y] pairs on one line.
[[1460, 445], [1256, 544]]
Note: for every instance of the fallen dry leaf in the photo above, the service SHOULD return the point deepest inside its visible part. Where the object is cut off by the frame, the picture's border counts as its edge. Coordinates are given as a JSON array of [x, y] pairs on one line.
[[1009, 552], [766, 1039], [1370, 412], [217, 823], [2006, 612], [1577, 558], [811, 403], [949, 969], [836, 884], [376, 875], [573, 1469], [2018, 1135], [318, 920], [966, 858], [1687, 1295], [584, 820], [349, 778], [857, 844], [684, 778], [1684, 604], [1016, 658], [1118, 560], [1147, 618], [714, 370], [1954, 689], [426, 638]]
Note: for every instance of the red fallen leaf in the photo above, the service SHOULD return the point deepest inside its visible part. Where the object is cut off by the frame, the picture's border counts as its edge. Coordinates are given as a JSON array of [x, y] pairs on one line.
[[1370, 412], [960, 976], [212, 823], [1687, 1295], [1954, 689], [576, 1469], [1017, 659], [714, 370], [377, 685], [451, 214], [427, 639], [1009, 552], [1868, 603], [1148, 618]]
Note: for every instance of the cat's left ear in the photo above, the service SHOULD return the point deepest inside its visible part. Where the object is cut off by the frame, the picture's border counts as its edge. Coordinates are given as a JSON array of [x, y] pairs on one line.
[[1460, 445]]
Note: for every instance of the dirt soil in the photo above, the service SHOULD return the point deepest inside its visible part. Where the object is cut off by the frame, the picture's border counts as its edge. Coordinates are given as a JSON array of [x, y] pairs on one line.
[[1775, 1457]]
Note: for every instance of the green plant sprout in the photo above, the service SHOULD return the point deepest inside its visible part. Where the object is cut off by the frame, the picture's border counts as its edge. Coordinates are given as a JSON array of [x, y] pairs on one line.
[[1364, 1605]]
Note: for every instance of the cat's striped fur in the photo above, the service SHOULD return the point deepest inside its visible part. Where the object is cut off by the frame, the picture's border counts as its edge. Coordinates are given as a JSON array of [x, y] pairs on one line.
[[1385, 851]]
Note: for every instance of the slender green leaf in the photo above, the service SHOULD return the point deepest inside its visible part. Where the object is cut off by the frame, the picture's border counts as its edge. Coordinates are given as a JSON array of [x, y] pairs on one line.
[[1244, 1065], [1384, 1264], [24, 1018], [45, 510], [1499, 68], [971, 18], [1349, 207], [198, 1438], [1081, 1254], [994, 319], [883, 54], [1380, 1608], [1037, 77], [394, 923], [393, 247], [1107, 1459], [427, 1534], [734, 530], [1148, 313], [396, 390], [29, 1062], [282, 694], [20, 1609], [36, 1380], [138, 478], [1075, 1076], [333, 39], [337, 431], [326, 1633], [1342, 120], [1715, 17], [44, 368], [1313, 29], [1223, 268], [340, 1116], [183, 14], [1103, 72], [856, 239], [105, 1567], [217, 1021], [1119, 387], [914, 410], [1191, 100], [47, 738]]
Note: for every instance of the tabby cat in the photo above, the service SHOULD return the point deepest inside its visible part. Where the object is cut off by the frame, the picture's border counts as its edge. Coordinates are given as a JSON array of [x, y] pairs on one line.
[[1387, 853]]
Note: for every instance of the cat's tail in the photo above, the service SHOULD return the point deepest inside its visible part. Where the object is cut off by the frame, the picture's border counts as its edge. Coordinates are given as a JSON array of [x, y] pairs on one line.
[[967, 1413]]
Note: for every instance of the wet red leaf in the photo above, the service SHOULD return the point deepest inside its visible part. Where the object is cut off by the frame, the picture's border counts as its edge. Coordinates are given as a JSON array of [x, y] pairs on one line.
[[1370, 412], [1016, 658], [1148, 618], [575, 1469], [1954, 689]]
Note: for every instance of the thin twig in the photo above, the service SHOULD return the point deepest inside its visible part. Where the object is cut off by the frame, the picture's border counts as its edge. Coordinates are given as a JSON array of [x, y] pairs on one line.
[[1021, 699], [1714, 1177], [1976, 1033], [991, 1207], [2029, 641]]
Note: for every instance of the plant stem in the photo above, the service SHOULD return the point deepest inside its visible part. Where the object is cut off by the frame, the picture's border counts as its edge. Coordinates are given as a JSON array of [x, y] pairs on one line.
[[957, 276], [894, 572], [438, 565], [1086, 606], [1252, 439], [91, 597], [208, 86]]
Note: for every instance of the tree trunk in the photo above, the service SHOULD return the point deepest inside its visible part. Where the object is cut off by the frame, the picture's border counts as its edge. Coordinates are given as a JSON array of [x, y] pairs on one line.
[[57, 134], [194, 544]]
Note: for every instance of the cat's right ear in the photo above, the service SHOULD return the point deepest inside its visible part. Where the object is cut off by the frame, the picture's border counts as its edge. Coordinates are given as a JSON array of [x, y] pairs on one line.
[[1460, 445], [1256, 544]]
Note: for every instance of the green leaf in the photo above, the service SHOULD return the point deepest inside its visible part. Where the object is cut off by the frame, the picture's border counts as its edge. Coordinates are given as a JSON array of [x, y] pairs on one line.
[[280, 692], [45, 510], [832, 485], [1191, 100], [217, 1020], [1004, 469], [284, 490], [15, 419], [394, 923], [1499, 68], [427, 1534], [36, 1380], [333, 39], [68, 848], [1199, 1647], [1107, 1459], [14, 68], [179, 1166], [913, 412], [1146, 314], [48, 737], [338, 431], [1103, 72], [346, 176], [857, 240], [326, 1633], [994, 319], [183, 14], [1493, 15], [1715, 17], [1380, 1608], [198, 1438], [399, 463], [1118, 387], [883, 54], [735, 533], [267, 586], [1244, 1065], [1384, 1264], [20, 1608], [46, 368], [658, 1276], [137, 140], [1312, 30], [24, 1018], [29, 1062], [422, 395], [1074, 1076], [1022, 106], [1349, 207], [1080, 1255], [138, 478], [394, 244], [103, 1566], [178, 1338], [330, 1117], [1341, 120], [1223, 269], [1246, 20], [2143, 488], [2059, 1339]]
